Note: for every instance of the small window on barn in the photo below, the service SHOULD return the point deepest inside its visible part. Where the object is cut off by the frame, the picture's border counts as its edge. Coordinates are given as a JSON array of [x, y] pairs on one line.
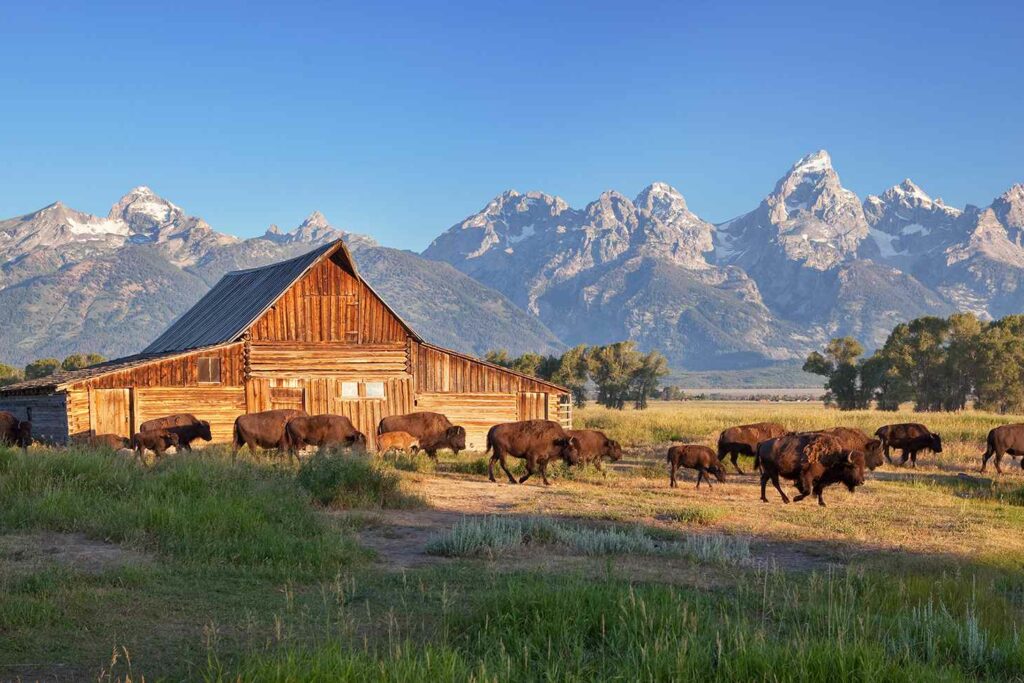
[[350, 389], [374, 389], [209, 370]]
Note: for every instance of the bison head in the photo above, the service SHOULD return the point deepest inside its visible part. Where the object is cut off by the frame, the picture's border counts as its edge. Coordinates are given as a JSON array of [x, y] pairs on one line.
[[717, 470], [357, 440], [936, 443], [171, 439], [455, 437], [612, 450], [24, 433], [204, 431], [568, 449], [851, 467], [873, 454]]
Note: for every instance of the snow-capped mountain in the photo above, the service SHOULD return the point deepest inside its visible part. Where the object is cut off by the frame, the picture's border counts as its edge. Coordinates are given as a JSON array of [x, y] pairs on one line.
[[71, 281]]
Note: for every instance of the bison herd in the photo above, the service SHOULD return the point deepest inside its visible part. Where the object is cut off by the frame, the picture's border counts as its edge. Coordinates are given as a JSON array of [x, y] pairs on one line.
[[811, 460]]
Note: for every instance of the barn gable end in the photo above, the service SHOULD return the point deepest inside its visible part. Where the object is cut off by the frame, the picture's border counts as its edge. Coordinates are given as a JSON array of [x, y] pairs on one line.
[[305, 333]]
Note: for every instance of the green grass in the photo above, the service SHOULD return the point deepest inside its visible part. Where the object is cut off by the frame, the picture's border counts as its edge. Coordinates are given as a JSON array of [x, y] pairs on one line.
[[192, 509], [700, 515], [495, 536], [343, 480], [844, 626]]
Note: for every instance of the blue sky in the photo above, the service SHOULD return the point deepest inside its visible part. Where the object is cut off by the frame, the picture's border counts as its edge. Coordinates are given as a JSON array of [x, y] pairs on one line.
[[398, 120]]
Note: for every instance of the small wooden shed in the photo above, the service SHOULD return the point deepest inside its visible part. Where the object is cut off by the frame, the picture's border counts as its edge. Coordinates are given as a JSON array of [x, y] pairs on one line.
[[305, 333]]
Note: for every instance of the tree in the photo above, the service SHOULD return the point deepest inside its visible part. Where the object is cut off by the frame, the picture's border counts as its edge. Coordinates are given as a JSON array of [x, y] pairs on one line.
[[572, 372], [961, 364], [44, 367], [1000, 366], [94, 359], [77, 361], [498, 357], [653, 366], [9, 375], [839, 365], [612, 368]]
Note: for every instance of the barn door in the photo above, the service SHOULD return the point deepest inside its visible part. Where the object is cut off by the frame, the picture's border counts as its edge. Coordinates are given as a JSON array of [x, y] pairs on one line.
[[287, 397], [533, 405], [110, 411]]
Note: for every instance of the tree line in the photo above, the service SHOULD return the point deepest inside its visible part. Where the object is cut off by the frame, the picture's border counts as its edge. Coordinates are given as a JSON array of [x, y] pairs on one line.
[[936, 363], [44, 367], [621, 373]]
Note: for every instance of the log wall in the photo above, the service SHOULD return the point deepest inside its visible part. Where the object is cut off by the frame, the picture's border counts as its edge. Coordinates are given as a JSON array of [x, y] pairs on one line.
[[301, 359], [219, 405], [176, 371]]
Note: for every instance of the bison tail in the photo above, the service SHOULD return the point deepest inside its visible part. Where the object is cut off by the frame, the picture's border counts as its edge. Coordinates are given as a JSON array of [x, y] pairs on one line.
[[490, 441], [236, 437]]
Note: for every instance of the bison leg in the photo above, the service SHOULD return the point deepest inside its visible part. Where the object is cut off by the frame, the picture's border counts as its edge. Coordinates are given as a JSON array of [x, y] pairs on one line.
[[903, 460], [736, 461], [490, 467], [672, 475], [818, 491], [529, 470], [778, 487], [700, 475], [913, 459], [544, 472], [504, 466], [984, 460], [764, 485], [888, 456]]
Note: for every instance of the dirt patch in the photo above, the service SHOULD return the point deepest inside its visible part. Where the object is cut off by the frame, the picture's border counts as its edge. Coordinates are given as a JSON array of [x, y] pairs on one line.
[[30, 552]]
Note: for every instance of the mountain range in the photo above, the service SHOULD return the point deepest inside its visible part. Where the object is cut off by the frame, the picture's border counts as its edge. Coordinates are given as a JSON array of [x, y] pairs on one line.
[[531, 272]]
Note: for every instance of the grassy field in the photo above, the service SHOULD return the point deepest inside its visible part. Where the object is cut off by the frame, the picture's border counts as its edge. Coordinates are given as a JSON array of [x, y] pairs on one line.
[[344, 569]]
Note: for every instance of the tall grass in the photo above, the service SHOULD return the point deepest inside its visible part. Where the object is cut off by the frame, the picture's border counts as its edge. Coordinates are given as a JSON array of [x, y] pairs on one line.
[[191, 508], [494, 536], [344, 480], [842, 626]]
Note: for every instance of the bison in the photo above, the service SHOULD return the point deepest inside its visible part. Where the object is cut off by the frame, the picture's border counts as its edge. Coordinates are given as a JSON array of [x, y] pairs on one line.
[[403, 442], [263, 430], [14, 432], [909, 438], [1006, 439], [156, 440], [185, 425], [700, 458], [535, 441], [856, 440], [111, 441], [433, 431], [594, 446], [322, 431], [812, 461], [743, 440]]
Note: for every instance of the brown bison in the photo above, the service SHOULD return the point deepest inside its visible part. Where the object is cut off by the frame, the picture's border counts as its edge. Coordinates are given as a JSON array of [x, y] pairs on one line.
[[187, 426], [812, 461], [323, 431], [14, 432], [433, 430], [156, 440], [263, 430], [1006, 439], [743, 440], [700, 458], [594, 446], [403, 442], [111, 441], [909, 438], [535, 441], [856, 440]]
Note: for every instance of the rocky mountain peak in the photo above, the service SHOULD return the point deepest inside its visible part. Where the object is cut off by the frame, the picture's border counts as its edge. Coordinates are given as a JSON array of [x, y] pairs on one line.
[[1009, 208], [144, 211], [662, 201]]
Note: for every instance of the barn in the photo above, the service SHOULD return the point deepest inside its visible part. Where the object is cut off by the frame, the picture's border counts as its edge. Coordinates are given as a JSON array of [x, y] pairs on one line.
[[305, 333]]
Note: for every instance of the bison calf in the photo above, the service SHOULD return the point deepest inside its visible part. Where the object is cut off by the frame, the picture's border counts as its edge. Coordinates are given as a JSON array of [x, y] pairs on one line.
[[909, 438], [1005, 439], [157, 440], [812, 461], [536, 442], [403, 442], [700, 458], [111, 441], [594, 446]]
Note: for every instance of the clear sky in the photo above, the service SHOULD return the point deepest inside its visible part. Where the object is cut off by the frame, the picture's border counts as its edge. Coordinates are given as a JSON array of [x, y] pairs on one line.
[[400, 120]]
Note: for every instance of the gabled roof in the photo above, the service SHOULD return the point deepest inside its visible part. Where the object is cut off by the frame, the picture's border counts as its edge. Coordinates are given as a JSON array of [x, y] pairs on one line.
[[239, 299]]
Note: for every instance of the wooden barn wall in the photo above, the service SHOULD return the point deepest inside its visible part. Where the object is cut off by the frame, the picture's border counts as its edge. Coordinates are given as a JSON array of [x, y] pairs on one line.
[[298, 359], [439, 371], [78, 412], [179, 371], [48, 413], [219, 405], [329, 305]]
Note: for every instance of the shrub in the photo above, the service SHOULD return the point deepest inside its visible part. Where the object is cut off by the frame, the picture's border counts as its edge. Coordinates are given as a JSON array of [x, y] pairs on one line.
[[342, 480]]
